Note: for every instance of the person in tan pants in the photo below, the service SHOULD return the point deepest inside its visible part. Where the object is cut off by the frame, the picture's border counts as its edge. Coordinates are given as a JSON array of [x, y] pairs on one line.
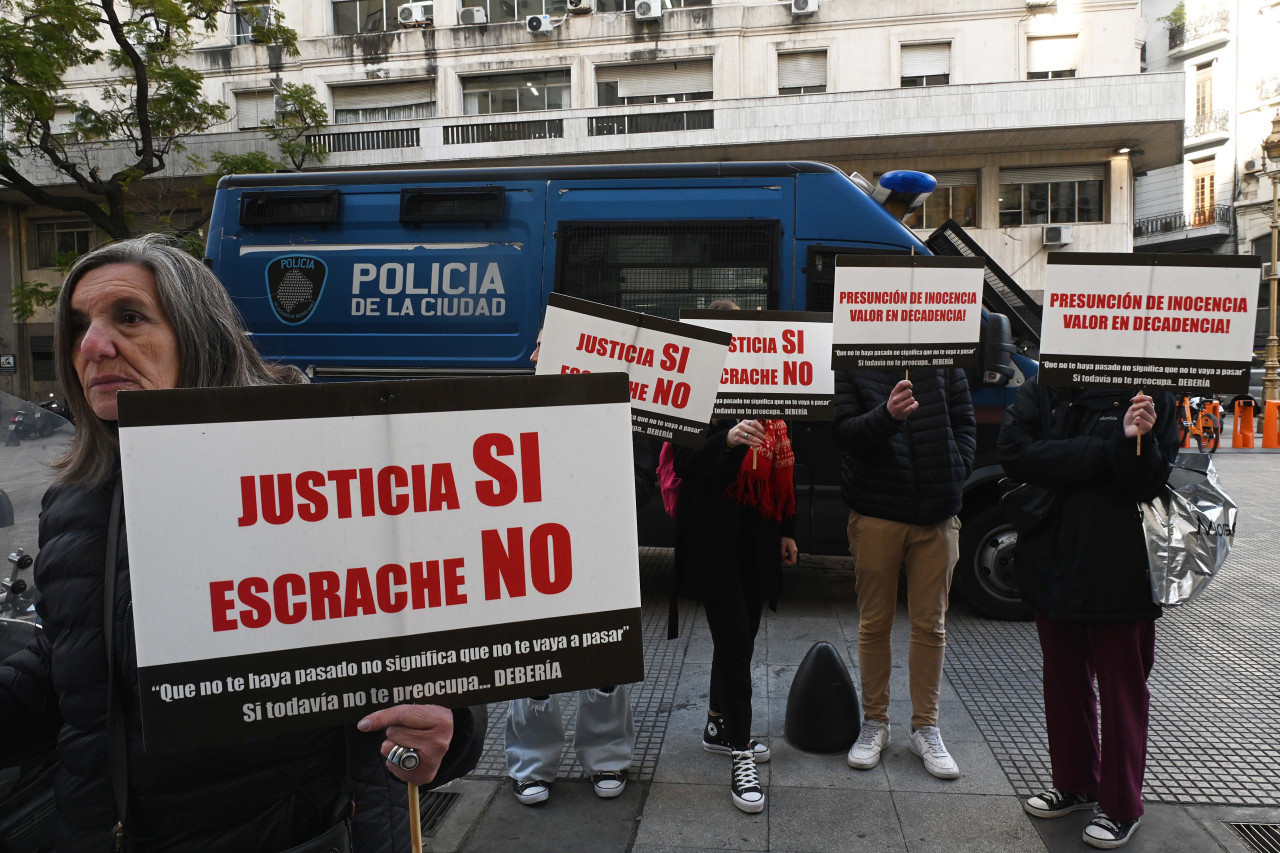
[[907, 449]]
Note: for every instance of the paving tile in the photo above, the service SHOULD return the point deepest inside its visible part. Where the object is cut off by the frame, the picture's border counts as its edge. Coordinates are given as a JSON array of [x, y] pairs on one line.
[[1214, 820], [684, 760], [793, 768], [1163, 828], [804, 820], [700, 816], [572, 813], [452, 832], [790, 640], [980, 773], [966, 823], [953, 719]]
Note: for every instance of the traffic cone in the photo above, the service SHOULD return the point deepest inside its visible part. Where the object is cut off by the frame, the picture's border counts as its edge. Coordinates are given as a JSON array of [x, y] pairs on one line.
[[823, 713], [1242, 428], [1271, 425]]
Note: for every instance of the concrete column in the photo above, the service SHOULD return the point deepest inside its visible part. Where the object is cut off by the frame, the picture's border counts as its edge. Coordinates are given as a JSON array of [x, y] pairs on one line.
[[1120, 201], [989, 197]]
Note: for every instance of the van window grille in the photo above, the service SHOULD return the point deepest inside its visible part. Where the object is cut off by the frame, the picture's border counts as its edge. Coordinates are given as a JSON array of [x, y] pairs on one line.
[[820, 274], [659, 268]]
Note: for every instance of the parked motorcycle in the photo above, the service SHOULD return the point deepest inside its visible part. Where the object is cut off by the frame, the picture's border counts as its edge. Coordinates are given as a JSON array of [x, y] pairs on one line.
[[26, 791]]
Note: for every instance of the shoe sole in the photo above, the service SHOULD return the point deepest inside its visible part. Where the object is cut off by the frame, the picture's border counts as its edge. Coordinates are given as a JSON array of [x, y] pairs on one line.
[[610, 793], [1050, 815], [863, 766], [1103, 844], [533, 799], [748, 807], [761, 757], [944, 774]]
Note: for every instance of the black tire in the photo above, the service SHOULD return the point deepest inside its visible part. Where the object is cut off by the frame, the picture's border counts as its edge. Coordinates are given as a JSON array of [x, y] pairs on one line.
[[984, 574]]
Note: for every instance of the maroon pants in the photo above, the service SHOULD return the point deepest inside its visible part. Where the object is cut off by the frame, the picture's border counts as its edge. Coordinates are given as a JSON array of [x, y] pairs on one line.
[[1119, 655]]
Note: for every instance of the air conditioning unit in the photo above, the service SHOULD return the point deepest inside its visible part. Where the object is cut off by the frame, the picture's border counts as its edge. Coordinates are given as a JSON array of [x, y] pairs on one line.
[[648, 10], [1252, 166], [581, 7], [415, 14], [1057, 235], [472, 15], [539, 24], [804, 7]]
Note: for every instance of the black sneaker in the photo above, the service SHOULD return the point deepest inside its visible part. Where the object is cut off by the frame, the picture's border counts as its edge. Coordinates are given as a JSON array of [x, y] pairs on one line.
[[1107, 834], [609, 783], [531, 791], [745, 787], [714, 740], [1055, 803]]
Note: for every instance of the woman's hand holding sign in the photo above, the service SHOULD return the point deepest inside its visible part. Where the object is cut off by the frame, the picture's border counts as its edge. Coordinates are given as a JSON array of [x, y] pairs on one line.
[[1141, 416], [425, 728], [750, 433]]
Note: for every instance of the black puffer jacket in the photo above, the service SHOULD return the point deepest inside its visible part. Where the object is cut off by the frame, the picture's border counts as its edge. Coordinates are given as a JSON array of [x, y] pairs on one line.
[[264, 794], [910, 471], [1088, 561]]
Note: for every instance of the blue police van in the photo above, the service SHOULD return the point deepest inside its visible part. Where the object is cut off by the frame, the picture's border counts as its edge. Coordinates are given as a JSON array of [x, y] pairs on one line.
[[400, 273]]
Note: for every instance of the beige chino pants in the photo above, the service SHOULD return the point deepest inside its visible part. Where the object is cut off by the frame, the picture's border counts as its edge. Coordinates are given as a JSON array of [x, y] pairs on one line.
[[929, 552]]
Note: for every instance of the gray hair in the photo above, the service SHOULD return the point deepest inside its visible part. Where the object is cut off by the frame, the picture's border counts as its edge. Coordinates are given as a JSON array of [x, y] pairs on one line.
[[724, 305], [213, 350]]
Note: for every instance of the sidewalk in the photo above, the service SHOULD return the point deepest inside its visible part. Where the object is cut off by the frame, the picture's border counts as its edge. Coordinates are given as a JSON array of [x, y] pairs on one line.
[[1209, 751]]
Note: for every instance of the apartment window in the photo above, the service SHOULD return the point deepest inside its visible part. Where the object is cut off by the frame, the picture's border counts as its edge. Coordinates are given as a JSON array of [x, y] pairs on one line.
[[500, 11], [1051, 195], [255, 107], [802, 73], [364, 16], [59, 241], [630, 5], [61, 127], [247, 15], [1202, 192], [656, 83], [525, 92], [926, 64], [1204, 90], [955, 198], [42, 360], [1051, 57], [383, 102]]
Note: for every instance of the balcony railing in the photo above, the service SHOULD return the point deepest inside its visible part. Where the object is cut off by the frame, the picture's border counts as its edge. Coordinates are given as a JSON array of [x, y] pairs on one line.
[[365, 140], [1207, 123], [1219, 214], [503, 131], [1202, 27], [651, 123]]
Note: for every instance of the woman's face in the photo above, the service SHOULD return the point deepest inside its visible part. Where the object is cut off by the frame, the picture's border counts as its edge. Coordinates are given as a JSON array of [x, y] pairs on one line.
[[122, 339]]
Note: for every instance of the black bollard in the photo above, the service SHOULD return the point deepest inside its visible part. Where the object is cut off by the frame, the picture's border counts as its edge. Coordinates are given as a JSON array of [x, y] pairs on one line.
[[823, 713]]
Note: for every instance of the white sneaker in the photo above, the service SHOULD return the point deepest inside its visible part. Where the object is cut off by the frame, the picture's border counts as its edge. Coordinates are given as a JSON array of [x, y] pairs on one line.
[[748, 794], [926, 742], [865, 752]]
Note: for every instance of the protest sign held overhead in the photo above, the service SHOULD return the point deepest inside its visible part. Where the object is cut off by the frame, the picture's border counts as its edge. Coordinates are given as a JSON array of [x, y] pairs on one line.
[[1182, 322], [673, 368], [779, 363], [903, 311], [303, 555]]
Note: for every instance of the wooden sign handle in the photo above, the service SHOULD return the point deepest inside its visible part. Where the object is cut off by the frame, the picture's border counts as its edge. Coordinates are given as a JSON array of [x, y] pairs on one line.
[[415, 820]]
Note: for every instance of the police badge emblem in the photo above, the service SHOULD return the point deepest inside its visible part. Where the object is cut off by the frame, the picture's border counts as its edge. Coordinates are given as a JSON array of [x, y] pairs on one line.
[[294, 283]]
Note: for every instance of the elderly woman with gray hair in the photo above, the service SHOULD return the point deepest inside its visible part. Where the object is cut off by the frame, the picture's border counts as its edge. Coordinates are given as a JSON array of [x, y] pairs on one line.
[[134, 315]]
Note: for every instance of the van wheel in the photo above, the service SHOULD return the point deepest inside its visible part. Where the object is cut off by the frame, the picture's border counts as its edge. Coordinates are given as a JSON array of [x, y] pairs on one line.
[[984, 575]]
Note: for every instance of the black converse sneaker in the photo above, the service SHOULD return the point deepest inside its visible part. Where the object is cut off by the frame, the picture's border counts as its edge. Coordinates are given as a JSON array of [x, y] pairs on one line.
[[748, 795], [1055, 803], [1107, 833], [530, 791], [714, 740]]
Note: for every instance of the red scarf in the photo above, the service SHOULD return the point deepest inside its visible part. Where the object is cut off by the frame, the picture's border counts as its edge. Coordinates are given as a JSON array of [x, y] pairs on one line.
[[765, 478]]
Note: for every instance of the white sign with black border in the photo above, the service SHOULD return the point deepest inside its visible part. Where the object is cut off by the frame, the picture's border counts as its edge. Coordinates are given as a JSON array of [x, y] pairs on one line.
[[302, 555], [673, 368]]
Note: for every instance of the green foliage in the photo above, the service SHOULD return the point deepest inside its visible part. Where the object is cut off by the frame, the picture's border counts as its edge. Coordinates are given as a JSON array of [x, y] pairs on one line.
[[1176, 18], [302, 113], [30, 296], [150, 99]]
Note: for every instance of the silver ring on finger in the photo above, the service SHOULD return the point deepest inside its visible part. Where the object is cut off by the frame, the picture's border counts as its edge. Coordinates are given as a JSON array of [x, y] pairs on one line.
[[404, 757]]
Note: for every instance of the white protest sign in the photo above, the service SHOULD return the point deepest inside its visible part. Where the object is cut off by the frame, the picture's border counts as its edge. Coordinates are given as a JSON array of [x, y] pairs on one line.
[[302, 555], [1151, 321], [673, 368], [779, 363], [904, 311]]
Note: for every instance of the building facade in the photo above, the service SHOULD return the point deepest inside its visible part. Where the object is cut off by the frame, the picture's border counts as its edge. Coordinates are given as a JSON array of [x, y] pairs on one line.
[[1034, 114]]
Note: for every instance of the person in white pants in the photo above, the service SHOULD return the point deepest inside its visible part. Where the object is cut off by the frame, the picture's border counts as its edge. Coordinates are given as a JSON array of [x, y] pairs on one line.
[[603, 740]]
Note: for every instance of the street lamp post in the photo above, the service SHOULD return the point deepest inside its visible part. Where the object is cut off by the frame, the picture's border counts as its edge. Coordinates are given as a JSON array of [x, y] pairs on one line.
[[1271, 376]]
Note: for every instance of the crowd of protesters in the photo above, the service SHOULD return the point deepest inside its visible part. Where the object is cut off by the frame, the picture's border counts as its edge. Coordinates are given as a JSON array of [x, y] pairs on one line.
[[141, 314]]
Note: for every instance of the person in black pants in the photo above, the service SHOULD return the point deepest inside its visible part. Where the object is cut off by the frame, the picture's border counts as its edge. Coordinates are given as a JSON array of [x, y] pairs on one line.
[[734, 526]]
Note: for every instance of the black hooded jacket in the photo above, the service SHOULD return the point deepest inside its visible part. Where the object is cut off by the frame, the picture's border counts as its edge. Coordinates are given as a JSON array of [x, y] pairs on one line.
[[262, 794], [910, 471], [1088, 561]]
